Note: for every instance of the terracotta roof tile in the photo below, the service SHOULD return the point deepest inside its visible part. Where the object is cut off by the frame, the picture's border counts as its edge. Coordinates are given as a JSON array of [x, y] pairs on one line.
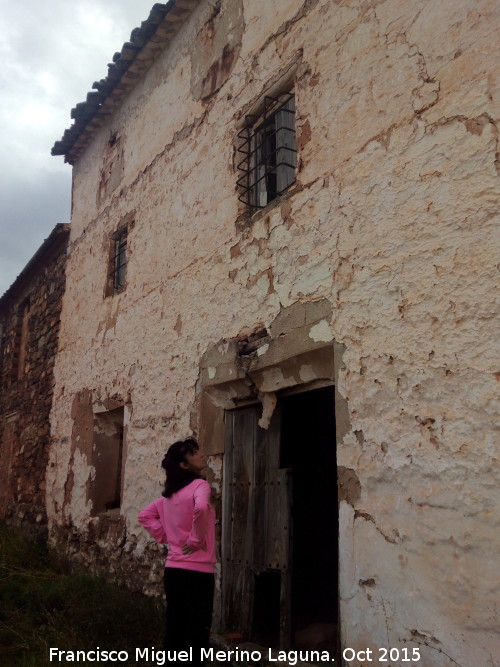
[[136, 55]]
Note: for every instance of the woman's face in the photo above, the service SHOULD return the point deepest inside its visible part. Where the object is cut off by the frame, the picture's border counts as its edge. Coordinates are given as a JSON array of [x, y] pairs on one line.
[[195, 462]]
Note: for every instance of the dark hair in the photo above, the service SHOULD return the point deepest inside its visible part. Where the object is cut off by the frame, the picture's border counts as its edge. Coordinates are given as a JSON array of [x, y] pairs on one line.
[[177, 477]]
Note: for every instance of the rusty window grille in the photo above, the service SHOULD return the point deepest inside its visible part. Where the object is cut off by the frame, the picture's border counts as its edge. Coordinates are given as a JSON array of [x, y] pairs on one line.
[[269, 148], [119, 259]]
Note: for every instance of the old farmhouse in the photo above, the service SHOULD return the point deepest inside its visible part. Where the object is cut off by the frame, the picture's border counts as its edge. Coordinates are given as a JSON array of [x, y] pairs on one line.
[[282, 241]]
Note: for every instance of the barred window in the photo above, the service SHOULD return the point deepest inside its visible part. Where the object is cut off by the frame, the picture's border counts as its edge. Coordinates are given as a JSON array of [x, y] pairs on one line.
[[119, 259], [269, 149]]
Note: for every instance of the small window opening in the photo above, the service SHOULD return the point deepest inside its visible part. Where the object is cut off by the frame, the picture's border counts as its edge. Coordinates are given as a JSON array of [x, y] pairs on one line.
[[269, 148], [19, 349], [107, 460], [118, 261]]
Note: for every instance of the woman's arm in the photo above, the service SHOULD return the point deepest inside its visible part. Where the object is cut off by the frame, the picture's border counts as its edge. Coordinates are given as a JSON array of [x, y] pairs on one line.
[[201, 517], [149, 517]]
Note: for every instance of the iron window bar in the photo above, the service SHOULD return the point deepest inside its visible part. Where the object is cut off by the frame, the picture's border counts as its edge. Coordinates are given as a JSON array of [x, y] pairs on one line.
[[268, 145], [119, 261]]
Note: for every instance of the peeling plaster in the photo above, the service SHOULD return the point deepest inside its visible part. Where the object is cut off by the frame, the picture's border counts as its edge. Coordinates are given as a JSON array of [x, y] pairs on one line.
[[269, 401], [262, 349], [321, 332], [307, 373], [215, 465], [79, 505], [216, 48], [390, 233]]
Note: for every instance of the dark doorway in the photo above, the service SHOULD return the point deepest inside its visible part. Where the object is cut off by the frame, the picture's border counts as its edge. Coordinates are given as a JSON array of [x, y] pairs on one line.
[[280, 523], [266, 609], [308, 447]]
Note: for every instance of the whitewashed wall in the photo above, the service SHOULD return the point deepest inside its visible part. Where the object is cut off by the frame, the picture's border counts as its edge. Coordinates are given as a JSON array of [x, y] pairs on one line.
[[393, 221]]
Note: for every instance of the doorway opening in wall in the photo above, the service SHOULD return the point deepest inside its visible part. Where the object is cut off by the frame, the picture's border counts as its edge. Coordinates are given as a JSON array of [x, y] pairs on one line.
[[308, 448], [107, 459], [280, 523]]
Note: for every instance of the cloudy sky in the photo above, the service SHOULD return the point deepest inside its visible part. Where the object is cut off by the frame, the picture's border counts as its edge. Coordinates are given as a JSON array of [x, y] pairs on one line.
[[51, 52]]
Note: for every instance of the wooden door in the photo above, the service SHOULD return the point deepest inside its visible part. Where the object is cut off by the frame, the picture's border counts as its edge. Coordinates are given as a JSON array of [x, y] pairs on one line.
[[257, 528], [238, 519]]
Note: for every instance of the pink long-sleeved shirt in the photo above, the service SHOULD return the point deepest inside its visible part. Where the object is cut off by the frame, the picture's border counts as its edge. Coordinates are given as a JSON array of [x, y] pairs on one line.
[[185, 518]]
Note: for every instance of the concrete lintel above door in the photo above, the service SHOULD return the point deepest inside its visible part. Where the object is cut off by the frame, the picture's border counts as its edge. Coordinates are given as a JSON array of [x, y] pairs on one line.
[[296, 350]]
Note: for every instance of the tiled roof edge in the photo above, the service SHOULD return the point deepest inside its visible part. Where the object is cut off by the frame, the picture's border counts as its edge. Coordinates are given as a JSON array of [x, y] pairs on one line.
[[134, 59], [58, 234]]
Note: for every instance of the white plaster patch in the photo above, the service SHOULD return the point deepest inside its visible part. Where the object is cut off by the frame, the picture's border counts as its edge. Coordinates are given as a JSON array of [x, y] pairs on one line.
[[215, 465], [272, 379], [223, 347], [307, 374], [269, 401], [212, 371], [321, 332], [262, 350], [127, 414], [139, 548], [80, 506], [347, 558]]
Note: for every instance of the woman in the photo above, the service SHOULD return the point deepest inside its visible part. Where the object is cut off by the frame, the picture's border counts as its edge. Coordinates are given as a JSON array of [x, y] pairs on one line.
[[184, 519]]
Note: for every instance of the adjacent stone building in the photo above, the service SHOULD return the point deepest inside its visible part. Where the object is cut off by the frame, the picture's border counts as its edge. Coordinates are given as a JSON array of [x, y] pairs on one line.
[[29, 325], [283, 241]]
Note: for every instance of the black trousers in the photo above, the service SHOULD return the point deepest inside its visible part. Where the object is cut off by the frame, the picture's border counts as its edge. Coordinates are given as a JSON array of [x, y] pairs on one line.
[[190, 599]]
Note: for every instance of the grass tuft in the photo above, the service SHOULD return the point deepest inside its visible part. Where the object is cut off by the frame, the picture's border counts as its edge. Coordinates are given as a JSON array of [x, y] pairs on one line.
[[43, 605]]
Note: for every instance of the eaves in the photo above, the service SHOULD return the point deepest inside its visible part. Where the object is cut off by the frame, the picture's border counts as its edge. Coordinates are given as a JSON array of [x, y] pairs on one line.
[[128, 66]]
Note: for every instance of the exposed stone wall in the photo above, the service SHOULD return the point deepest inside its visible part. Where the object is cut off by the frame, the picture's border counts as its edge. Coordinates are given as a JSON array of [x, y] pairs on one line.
[[26, 394], [392, 220]]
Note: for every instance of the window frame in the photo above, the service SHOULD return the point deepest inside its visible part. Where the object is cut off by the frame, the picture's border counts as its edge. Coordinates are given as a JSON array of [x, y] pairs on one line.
[[268, 144], [118, 260], [118, 273]]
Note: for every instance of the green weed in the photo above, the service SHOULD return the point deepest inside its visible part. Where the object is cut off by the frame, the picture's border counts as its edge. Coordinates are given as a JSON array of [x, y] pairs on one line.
[[43, 605]]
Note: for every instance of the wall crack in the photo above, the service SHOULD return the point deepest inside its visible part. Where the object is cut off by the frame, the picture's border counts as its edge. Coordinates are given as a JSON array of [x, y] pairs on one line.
[[368, 517]]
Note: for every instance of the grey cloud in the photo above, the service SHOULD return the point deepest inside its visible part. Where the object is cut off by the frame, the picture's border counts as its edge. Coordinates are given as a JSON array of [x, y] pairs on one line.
[[51, 54], [30, 210]]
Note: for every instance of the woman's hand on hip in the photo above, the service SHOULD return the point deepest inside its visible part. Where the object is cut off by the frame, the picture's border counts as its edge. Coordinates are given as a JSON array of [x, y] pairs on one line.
[[188, 550]]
